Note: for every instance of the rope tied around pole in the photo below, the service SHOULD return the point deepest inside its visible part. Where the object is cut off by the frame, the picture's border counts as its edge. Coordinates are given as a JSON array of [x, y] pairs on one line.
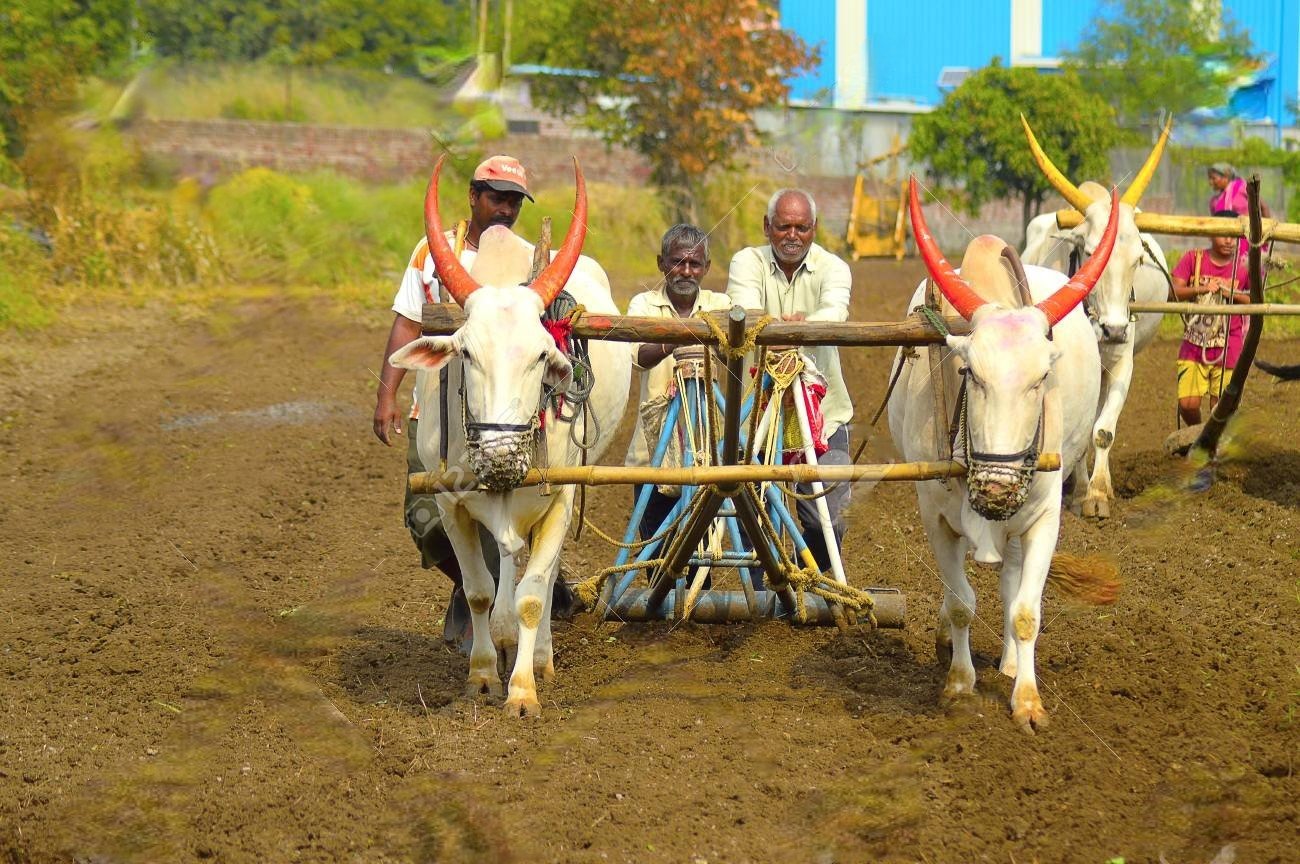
[[934, 319], [813, 581], [588, 590], [724, 345]]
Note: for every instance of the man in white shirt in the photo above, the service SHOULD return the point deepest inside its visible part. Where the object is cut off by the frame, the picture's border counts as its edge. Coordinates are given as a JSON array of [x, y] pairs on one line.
[[496, 195], [794, 279], [684, 261]]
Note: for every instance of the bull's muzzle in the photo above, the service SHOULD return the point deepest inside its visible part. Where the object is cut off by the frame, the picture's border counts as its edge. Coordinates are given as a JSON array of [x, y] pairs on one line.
[[997, 491], [500, 459], [1115, 334]]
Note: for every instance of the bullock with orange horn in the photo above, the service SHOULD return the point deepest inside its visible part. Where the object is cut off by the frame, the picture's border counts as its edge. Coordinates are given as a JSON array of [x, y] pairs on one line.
[[1136, 273], [506, 392], [1025, 382]]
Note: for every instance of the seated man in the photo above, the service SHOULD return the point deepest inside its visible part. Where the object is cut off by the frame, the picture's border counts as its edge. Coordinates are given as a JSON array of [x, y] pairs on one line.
[[684, 261], [793, 278]]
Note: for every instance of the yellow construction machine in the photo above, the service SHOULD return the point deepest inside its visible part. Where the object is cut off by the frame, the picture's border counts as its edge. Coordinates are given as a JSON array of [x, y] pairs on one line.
[[877, 224]]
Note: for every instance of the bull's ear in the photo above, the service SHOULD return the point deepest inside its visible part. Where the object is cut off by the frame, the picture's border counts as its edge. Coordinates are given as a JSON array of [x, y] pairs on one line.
[[428, 353], [558, 368]]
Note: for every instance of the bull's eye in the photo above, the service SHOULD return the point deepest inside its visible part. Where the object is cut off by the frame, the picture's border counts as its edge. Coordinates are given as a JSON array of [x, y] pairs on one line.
[[464, 355], [541, 358]]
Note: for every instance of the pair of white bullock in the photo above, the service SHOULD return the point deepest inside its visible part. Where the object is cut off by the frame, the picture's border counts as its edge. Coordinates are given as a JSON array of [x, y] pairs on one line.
[[1032, 373]]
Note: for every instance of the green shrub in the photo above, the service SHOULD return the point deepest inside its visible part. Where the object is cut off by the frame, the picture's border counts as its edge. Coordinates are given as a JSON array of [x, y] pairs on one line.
[[28, 295]]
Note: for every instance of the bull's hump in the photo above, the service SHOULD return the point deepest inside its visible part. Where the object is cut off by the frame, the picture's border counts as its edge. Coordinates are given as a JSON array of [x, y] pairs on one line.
[[1094, 190], [504, 258], [984, 268]]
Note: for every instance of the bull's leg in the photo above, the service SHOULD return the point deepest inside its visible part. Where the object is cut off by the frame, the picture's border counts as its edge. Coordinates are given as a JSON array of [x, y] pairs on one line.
[[1038, 544], [958, 607], [1009, 583], [1116, 376], [1078, 486], [548, 537], [543, 652], [505, 627], [477, 580]]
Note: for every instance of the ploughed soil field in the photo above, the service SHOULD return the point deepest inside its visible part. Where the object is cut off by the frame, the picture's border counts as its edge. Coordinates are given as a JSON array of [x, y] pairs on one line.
[[216, 644]]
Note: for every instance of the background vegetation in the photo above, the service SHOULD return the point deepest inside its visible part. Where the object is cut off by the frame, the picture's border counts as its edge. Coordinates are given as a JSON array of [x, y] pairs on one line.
[[83, 217]]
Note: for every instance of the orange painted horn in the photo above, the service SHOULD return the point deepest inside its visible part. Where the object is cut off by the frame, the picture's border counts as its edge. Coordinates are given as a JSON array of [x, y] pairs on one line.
[[451, 273], [551, 281], [956, 289], [1071, 294]]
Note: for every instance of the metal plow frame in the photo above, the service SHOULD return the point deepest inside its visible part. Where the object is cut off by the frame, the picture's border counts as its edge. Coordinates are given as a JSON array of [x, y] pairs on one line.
[[727, 493]]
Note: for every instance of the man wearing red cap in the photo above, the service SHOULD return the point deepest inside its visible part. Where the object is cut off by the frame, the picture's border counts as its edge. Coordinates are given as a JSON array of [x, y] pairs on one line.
[[496, 195]]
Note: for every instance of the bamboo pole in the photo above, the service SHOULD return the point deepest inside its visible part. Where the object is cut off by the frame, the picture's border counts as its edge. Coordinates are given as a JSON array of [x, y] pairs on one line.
[[442, 319], [1196, 226], [1257, 309], [428, 482]]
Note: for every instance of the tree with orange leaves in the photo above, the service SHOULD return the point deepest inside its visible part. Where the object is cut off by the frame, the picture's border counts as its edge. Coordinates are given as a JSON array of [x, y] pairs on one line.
[[678, 82]]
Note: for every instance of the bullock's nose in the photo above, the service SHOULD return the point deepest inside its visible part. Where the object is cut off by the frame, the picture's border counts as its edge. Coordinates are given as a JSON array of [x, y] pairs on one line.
[[1114, 332]]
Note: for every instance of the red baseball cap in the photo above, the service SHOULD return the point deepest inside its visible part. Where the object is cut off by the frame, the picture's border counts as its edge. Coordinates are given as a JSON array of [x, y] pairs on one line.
[[504, 174]]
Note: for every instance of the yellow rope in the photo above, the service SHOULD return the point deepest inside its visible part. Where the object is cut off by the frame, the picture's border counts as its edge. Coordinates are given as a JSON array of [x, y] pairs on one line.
[[588, 590], [640, 544], [724, 344]]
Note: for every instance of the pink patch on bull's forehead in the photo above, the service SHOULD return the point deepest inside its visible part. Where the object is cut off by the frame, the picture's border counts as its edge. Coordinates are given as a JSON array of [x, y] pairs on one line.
[[1010, 329]]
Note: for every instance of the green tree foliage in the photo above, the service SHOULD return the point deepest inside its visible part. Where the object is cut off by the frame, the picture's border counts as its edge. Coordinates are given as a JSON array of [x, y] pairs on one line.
[[373, 33], [678, 85], [45, 46], [975, 136], [1151, 56]]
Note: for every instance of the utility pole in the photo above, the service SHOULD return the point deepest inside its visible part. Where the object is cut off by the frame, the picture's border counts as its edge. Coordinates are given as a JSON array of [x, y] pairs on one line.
[[509, 16]]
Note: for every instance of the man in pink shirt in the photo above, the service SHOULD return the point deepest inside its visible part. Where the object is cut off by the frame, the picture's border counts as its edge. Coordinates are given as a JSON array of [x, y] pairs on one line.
[[1211, 343]]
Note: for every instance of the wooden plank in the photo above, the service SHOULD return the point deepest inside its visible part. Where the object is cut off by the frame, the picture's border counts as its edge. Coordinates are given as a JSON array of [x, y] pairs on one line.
[[1196, 226]]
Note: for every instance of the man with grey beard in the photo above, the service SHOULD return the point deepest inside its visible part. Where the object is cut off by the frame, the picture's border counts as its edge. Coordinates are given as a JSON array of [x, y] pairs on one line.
[[684, 261], [793, 279]]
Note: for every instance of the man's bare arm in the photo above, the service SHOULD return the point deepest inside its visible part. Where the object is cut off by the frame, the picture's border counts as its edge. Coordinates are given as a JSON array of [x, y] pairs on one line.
[[387, 415]]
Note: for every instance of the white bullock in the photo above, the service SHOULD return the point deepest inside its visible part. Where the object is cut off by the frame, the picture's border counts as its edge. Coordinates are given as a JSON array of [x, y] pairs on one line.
[[508, 362], [1031, 375], [1136, 272]]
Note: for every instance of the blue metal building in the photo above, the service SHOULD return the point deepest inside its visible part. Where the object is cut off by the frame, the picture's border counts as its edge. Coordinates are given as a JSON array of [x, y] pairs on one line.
[[899, 56]]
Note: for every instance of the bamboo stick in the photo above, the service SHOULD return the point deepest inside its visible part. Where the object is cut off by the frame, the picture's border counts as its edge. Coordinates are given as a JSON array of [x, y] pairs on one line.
[[427, 482], [1196, 226], [441, 319], [1224, 309]]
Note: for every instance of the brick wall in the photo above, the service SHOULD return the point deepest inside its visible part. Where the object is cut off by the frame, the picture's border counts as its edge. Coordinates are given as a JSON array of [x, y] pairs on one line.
[[214, 149], [217, 148]]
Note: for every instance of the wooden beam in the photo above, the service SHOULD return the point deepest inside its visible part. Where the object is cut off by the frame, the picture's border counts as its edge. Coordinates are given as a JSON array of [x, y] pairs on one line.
[[1196, 226], [427, 482], [1225, 309], [441, 319]]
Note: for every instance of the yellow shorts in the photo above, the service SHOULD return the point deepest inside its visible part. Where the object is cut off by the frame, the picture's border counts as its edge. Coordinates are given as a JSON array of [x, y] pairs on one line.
[[1196, 379]]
